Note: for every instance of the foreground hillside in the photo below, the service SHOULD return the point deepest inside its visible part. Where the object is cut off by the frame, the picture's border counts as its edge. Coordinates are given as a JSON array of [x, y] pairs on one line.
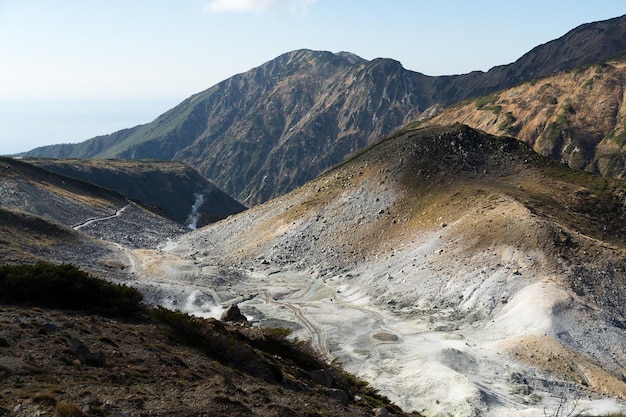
[[458, 272], [75, 345], [74, 360], [575, 117], [262, 133]]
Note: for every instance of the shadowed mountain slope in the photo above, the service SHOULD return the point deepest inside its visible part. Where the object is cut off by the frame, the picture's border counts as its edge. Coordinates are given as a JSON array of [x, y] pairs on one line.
[[264, 132], [45, 216], [174, 189], [492, 272]]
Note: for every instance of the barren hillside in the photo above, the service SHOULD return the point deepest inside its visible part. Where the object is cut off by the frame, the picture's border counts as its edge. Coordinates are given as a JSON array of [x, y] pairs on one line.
[[441, 261], [50, 217]]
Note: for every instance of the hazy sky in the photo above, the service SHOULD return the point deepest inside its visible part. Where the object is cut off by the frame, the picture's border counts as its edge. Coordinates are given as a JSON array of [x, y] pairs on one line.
[[118, 63]]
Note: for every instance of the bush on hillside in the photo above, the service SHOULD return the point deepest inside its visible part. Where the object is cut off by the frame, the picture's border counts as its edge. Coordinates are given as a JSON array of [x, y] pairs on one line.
[[67, 287]]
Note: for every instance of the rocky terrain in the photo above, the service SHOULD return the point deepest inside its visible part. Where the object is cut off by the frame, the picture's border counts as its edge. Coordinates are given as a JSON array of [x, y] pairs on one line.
[[57, 361], [458, 272], [461, 274], [172, 189], [155, 362], [262, 133], [49, 217]]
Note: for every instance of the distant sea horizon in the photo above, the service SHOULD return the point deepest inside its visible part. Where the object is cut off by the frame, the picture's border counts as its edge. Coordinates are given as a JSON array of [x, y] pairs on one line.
[[28, 124]]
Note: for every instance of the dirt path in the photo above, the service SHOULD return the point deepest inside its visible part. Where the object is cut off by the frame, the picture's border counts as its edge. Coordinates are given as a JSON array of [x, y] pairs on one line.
[[318, 335], [99, 219]]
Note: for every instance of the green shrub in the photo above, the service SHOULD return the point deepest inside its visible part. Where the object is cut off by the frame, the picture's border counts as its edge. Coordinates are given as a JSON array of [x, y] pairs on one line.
[[67, 287], [497, 109], [569, 108], [207, 335], [483, 101], [551, 101], [507, 122], [588, 83]]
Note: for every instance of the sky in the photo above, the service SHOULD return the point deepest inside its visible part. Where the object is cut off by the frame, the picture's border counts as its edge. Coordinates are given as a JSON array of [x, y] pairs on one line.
[[74, 69]]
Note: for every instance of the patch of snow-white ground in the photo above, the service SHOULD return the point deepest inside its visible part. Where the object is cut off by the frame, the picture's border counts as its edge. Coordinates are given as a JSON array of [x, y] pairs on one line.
[[422, 326]]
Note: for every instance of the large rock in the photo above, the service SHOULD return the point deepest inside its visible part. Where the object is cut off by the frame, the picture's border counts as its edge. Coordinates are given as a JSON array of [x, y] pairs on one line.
[[233, 314]]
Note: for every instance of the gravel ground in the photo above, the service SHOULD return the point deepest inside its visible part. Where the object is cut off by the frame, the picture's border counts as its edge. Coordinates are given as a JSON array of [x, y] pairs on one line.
[[436, 295]]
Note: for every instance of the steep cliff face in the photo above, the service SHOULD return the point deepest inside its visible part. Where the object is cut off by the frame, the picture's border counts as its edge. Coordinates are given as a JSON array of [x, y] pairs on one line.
[[262, 133], [576, 117]]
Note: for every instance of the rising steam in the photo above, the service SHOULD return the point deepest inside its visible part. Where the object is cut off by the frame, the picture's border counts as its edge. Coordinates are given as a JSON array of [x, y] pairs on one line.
[[196, 303], [192, 220]]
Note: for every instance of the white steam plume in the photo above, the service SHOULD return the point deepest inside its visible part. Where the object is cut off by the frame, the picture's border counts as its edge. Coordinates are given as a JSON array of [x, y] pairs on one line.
[[197, 304], [192, 220]]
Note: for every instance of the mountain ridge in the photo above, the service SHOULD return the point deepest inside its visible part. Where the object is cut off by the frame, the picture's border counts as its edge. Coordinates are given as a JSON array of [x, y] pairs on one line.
[[576, 117], [264, 132]]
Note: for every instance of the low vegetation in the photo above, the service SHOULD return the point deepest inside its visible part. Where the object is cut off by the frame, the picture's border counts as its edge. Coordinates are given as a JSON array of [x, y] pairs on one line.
[[483, 101], [66, 287], [274, 370]]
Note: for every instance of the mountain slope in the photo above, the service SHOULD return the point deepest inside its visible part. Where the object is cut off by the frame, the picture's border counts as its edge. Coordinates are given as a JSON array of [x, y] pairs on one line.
[[575, 117], [178, 191], [587, 44], [456, 271], [49, 217], [274, 127], [271, 129], [68, 361]]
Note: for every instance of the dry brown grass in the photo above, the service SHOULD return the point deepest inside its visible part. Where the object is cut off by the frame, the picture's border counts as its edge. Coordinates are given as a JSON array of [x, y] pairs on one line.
[[547, 354], [588, 103]]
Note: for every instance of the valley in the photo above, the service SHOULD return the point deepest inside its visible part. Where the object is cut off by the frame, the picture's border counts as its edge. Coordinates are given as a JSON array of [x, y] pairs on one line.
[[472, 297], [458, 242], [459, 273]]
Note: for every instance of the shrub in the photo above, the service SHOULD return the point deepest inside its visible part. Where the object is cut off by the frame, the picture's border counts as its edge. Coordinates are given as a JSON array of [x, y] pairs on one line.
[[551, 100], [497, 109], [68, 410], [483, 101], [569, 108], [45, 398], [279, 333], [507, 122], [65, 286], [207, 335]]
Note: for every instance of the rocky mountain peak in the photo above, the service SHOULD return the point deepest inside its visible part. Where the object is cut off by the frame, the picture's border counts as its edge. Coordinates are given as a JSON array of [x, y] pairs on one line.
[[262, 133]]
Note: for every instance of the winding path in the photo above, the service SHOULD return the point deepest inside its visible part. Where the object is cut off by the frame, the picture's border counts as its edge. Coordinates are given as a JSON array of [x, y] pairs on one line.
[[99, 219], [318, 336]]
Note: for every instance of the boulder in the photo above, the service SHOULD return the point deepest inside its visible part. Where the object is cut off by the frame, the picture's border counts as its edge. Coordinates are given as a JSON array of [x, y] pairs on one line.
[[233, 314]]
